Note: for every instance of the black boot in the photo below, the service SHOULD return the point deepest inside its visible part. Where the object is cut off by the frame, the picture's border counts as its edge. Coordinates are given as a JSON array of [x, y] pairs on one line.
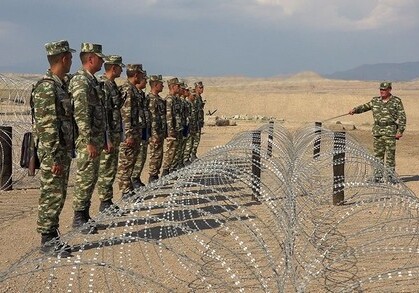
[[136, 182], [164, 172], [153, 178], [81, 221], [108, 207], [52, 245]]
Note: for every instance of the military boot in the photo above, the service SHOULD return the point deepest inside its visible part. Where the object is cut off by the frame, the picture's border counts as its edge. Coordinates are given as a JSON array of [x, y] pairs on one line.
[[136, 182], [164, 172], [108, 207], [52, 245], [153, 178], [81, 221]]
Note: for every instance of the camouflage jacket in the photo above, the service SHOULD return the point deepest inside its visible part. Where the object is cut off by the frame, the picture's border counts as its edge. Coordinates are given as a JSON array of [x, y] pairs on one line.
[[53, 117], [113, 102], [389, 117], [173, 116], [200, 105], [89, 112], [157, 108], [133, 118], [193, 118]]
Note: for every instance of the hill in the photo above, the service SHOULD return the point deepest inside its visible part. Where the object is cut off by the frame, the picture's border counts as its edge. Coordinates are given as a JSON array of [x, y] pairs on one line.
[[383, 71]]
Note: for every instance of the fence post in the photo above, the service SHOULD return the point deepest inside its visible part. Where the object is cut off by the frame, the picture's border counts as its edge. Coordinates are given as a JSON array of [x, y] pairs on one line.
[[317, 139], [256, 164], [270, 138], [6, 158], [338, 167]]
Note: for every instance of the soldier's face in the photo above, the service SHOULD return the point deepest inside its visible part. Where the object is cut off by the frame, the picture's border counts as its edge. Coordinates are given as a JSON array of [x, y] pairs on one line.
[[385, 93], [159, 87], [96, 62], [67, 61], [117, 70], [200, 89]]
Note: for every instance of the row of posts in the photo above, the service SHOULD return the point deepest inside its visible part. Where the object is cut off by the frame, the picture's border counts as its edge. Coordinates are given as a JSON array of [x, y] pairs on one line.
[[339, 141]]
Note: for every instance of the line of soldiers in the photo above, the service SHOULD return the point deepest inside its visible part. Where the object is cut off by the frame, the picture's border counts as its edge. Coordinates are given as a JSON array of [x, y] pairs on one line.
[[109, 129]]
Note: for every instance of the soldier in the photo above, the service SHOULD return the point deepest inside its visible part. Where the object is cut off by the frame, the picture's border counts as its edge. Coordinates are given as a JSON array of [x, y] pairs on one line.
[[89, 114], [109, 159], [200, 104], [389, 125], [193, 127], [133, 121], [174, 125], [157, 107], [52, 114], [142, 155], [185, 116]]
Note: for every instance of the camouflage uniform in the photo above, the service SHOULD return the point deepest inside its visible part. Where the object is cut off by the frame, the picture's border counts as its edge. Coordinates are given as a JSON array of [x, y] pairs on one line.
[[109, 161], [389, 119], [54, 130], [89, 114], [142, 155], [133, 121], [193, 129], [185, 116], [197, 137], [174, 130]]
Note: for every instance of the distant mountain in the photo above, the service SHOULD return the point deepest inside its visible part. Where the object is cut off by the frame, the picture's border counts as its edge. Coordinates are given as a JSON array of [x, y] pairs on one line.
[[383, 71]]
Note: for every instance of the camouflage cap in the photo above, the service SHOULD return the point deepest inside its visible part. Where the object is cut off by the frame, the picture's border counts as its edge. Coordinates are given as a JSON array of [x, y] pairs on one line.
[[385, 85], [114, 59], [198, 84], [158, 78], [183, 85], [174, 80], [92, 48], [54, 48], [135, 67]]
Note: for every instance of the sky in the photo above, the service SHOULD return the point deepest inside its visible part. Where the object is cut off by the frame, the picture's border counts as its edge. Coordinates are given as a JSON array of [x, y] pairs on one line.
[[256, 38]]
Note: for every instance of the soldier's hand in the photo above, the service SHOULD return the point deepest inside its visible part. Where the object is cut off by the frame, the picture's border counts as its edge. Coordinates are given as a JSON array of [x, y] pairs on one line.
[[351, 112], [108, 148], [154, 139], [56, 169], [399, 135], [91, 150], [170, 138], [130, 142]]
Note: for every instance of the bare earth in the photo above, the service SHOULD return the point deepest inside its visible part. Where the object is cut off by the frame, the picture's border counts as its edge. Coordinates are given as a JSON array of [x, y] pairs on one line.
[[294, 102]]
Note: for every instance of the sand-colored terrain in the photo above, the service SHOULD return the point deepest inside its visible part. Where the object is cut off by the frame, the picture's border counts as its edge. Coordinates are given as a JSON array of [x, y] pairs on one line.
[[294, 101]]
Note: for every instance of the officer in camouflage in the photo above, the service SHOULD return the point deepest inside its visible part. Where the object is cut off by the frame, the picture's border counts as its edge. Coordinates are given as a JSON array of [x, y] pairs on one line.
[[133, 121], [53, 128], [157, 108], [389, 124], [199, 104], [109, 159], [193, 127], [142, 155], [174, 123], [89, 114]]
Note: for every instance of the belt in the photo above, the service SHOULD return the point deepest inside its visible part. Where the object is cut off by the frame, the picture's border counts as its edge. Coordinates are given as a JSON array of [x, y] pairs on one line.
[[384, 123]]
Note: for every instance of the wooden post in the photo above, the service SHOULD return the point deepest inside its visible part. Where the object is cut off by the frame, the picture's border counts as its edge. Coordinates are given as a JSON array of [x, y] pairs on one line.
[[270, 138], [317, 140], [338, 167], [256, 164], [6, 158]]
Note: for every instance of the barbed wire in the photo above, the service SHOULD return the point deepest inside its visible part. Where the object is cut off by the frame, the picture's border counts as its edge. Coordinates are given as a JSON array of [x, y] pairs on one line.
[[252, 215]]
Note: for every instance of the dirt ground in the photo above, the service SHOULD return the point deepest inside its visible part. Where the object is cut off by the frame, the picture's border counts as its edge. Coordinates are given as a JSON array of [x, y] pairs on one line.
[[294, 102]]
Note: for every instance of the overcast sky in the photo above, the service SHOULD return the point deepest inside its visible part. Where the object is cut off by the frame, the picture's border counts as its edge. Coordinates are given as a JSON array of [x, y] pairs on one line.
[[259, 38]]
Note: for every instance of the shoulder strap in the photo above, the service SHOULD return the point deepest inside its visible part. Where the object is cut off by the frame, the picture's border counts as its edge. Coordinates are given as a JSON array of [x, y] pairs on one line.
[[31, 102]]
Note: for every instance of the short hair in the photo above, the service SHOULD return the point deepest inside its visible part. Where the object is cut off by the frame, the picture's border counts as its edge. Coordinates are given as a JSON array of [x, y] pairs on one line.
[[108, 66], [84, 56], [54, 59]]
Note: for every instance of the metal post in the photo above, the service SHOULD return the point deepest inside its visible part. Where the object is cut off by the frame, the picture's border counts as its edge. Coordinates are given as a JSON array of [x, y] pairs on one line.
[[270, 138], [256, 164], [317, 140], [6, 158], [338, 168]]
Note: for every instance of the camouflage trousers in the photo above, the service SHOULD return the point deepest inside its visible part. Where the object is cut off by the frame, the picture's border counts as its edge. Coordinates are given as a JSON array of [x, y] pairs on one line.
[[189, 146], [127, 159], [108, 167], [385, 151], [86, 177], [53, 193], [196, 142], [156, 157], [170, 151], [142, 157], [178, 158]]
